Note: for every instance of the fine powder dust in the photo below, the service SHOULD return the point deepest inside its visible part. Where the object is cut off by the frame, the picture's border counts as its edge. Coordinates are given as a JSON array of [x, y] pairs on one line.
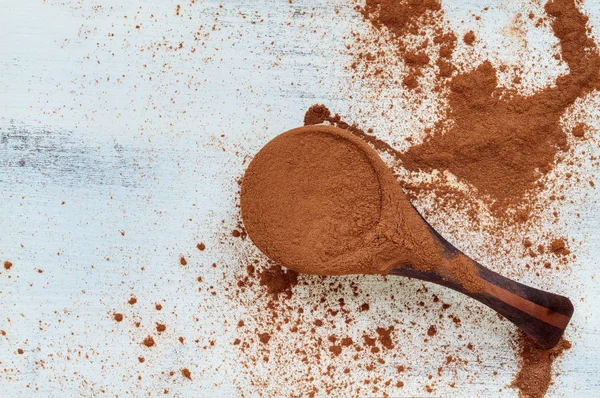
[[320, 201]]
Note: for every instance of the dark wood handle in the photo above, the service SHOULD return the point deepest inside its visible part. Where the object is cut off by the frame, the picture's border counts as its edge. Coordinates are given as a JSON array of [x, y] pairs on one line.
[[541, 315]]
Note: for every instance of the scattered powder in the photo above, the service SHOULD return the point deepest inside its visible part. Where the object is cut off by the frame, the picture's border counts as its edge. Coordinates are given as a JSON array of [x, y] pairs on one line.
[[535, 369]]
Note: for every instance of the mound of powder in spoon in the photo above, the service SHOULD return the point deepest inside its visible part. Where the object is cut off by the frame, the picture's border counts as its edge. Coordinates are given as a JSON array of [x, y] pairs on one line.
[[320, 201]]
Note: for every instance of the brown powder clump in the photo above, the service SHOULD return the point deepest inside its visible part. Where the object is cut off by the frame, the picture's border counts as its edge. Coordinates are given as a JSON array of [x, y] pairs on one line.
[[201, 246], [7, 265], [186, 373], [431, 331], [469, 38], [182, 260], [118, 317], [559, 247], [264, 337], [160, 327], [535, 370], [385, 337], [502, 145], [579, 130], [148, 341], [278, 280]]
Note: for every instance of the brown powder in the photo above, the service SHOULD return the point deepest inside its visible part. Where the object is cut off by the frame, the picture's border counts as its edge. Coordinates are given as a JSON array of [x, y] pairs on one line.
[[186, 373], [535, 369], [278, 280], [431, 331], [7, 265], [385, 338], [132, 300], [201, 246], [579, 130], [118, 317], [264, 337], [502, 145], [320, 201], [148, 341], [182, 260], [469, 38], [160, 327], [559, 247]]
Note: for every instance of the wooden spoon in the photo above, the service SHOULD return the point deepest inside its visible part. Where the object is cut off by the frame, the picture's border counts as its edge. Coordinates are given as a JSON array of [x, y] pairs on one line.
[[319, 200]]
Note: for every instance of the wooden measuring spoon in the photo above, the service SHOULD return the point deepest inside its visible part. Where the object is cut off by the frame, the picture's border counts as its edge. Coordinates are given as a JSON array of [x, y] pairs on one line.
[[319, 200]]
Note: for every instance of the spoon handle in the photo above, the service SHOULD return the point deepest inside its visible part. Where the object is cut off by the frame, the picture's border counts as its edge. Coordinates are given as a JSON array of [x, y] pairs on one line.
[[541, 315]]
